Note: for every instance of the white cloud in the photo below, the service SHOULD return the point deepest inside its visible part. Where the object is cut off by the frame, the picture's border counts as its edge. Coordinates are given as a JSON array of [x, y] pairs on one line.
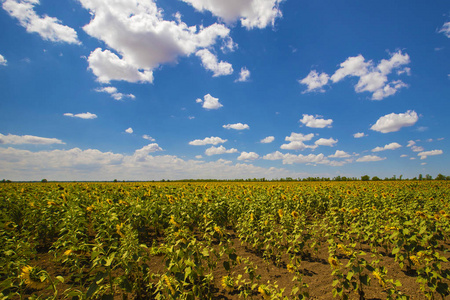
[[295, 145], [237, 126], [315, 82], [137, 31], [391, 146], [411, 143], [417, 148], [141, 154], [326, 142], [48, 28], [214, 140], [219, 150], [359, 135], [209, 102], [340, 154], [129, 130], [248, 156], [93, 164], [86, 115], [147, 137], [3, 61], [394, 122], [243, 75], [369, 158], [114, 93], [373, 78], [267, 140], [403, 155], [299, 137], [289, 159], [27, 139], [445, 29], [425, 154], [315, 121], [209, 62], [251, 13], [108, 66]]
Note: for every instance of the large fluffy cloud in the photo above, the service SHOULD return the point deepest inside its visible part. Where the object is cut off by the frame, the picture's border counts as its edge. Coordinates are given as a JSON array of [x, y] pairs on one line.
[[248, 156], [219, 150], [315, 81], [210, 62], [251, 13], [137, 31], [27, 139], [47, 27], [391, 146], [425, 154], [394, 122], [209, 102]]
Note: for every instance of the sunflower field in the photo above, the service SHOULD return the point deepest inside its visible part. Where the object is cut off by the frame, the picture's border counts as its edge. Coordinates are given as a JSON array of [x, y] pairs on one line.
[[225, 240]]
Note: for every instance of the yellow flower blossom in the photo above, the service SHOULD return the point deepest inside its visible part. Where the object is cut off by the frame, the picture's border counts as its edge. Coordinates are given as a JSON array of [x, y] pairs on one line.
[[228, 283], [33, 277], [334, 263]]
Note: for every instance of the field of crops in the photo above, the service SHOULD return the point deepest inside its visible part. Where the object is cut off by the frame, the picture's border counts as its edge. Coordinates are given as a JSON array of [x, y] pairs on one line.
[[225, 240]]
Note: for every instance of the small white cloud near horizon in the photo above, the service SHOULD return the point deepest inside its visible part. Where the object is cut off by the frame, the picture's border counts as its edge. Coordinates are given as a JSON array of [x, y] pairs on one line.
[[391, 146], [267, 140], [209, 102], [237, 126], [340, 154], [86, 115], [243, 75], [394, 122], [359, 135], [219, 150], [129, 130], [3, 61], [370, 158], [248, 156], [315, 82], [315, 121], [28, 139], [425, 154], [214, 140]]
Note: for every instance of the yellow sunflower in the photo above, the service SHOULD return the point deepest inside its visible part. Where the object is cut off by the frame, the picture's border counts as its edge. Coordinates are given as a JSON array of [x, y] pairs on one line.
[[34, 277], [334, 263], [228, 283]]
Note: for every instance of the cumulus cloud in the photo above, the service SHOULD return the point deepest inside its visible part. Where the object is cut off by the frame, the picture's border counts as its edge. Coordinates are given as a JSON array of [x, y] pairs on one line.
[[297, 141], [425, 154], [315, 121], [267, 140], [209, 102], [340, 154], [114, 93], [326, 142], [394, 122], [142, 153], [129, 130], [147, 137], [209, 62], [251, 13], [219, 150], [243, 75], [86, 115], [12, 139], [248, 156], [289, 159], [48, 28], [315, 81], [237, 126], [294, 137], [359, 135], [445, 29], [369, 158], [214, 140], [296, 145], [391, 146], [93, 164], [3, 61], [137, 31]]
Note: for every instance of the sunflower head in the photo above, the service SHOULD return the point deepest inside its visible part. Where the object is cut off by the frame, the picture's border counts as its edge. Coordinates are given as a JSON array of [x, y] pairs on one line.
[[295, 214], [280, 213], [34, 277], [228, 283], [334, 263]]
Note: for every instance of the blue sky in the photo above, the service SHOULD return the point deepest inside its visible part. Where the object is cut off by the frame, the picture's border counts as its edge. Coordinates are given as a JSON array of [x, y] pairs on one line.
[[174, 89]]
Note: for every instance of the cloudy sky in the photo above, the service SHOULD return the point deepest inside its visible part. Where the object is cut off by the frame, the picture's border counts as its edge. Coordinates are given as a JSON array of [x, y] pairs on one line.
[[146, 90]]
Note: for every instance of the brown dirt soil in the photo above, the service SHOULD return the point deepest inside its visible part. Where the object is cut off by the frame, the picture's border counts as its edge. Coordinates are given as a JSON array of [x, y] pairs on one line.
[[315, 269]]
